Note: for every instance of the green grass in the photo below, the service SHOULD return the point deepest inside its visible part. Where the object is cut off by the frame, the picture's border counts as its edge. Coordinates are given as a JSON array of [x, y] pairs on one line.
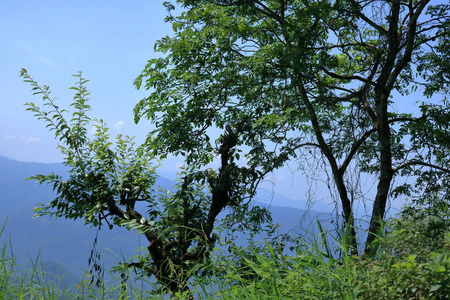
[[406, 267], [30, 281]]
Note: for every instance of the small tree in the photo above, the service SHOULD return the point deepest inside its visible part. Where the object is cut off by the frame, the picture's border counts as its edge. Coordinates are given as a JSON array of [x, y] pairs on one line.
[[113, 184]]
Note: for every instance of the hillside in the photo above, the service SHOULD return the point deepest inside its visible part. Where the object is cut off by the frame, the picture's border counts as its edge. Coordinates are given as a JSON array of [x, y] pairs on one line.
[[65, 245]]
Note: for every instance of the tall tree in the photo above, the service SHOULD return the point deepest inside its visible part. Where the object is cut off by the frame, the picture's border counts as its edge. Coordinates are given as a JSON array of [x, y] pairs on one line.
[[112, 184], [316, 78]]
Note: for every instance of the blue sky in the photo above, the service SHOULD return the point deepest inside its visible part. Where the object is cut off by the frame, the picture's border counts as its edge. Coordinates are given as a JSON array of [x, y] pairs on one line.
[[110, 41]]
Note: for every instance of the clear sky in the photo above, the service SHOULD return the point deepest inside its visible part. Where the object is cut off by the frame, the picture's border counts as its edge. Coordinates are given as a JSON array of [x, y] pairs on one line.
[[110, 41]]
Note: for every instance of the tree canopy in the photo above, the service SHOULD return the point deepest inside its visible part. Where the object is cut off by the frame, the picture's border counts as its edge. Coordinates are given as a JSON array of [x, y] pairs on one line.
[[314, 80]]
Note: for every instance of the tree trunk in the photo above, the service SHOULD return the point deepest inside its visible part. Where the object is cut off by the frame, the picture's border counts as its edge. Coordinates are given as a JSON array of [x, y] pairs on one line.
[[386, 172]]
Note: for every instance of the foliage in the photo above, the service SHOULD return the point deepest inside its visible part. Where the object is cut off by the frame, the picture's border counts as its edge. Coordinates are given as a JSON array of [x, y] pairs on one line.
[[430, 195], [312, 80], [405, 267], [413, 261], [113, 184], [33, 282]]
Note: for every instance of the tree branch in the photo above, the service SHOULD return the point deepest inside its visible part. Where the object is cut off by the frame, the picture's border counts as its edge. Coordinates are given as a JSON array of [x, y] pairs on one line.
[[357, 10], [355, 77], [421, 163]]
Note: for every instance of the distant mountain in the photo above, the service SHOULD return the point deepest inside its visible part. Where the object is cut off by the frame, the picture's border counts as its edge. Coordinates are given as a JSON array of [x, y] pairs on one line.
[[59, 242], [65, 245]]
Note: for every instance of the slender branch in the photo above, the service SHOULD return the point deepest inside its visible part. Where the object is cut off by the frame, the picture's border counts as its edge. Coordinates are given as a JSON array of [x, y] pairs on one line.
[[354, 149], [344, 45], [366, 19], [343, 77], [409, 47], [421, 163], [308, 144], [363, 138]]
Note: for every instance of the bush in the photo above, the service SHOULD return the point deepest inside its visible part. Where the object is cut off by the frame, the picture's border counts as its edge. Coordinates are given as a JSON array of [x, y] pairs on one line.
[[408, 265]]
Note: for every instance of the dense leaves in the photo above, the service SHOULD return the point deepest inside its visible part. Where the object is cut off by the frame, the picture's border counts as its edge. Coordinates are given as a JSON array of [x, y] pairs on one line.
[[317, 80]]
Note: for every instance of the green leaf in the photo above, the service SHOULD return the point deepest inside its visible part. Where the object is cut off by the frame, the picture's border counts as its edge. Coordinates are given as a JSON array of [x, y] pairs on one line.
[[435, 287]]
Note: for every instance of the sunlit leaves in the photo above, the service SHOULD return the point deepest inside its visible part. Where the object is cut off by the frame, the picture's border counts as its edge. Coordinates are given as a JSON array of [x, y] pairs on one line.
[[101, 171]]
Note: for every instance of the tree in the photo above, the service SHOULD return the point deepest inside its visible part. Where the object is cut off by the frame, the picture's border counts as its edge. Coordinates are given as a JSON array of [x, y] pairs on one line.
[[303, 78], [113, 184]]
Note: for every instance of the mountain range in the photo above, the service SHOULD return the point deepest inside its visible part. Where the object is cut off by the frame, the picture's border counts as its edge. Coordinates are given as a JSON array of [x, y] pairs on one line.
[[64, 246]]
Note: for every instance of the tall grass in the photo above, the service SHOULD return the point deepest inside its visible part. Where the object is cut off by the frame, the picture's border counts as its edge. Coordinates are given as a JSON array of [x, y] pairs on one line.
[[18, 284], [320, 267], [30, 281], [404, 268]]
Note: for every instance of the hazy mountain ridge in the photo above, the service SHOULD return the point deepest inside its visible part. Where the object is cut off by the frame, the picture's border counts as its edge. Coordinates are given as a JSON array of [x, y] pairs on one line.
[[65, 245]]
